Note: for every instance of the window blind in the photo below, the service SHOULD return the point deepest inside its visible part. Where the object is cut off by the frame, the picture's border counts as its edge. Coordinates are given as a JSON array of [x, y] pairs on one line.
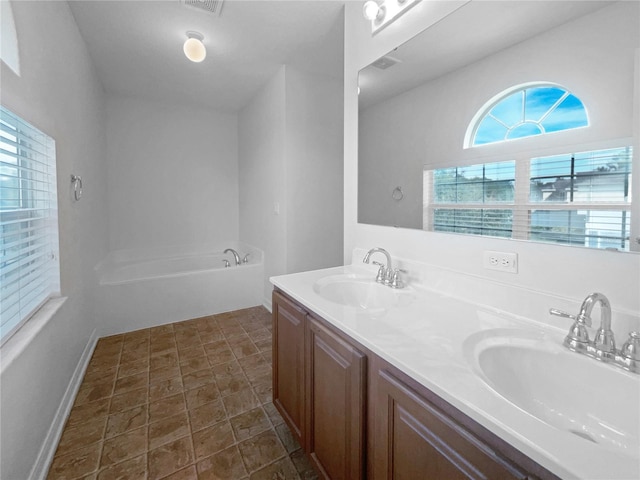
[[29, 266], [576, 198]]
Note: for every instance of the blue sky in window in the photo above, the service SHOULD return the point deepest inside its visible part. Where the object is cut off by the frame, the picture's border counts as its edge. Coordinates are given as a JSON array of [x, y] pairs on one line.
[[530, 112]]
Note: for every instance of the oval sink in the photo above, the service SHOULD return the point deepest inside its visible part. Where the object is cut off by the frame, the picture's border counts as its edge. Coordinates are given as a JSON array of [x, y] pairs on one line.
[[360, 292], [573, 393]]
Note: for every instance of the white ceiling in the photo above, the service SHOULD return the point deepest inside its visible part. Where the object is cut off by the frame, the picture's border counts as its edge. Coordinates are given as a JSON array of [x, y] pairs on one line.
[[476, 30], [136, 46]]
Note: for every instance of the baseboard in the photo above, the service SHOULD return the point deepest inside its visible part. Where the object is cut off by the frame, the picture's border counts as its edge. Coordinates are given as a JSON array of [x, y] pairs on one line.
[[266, 303], [48, 449]]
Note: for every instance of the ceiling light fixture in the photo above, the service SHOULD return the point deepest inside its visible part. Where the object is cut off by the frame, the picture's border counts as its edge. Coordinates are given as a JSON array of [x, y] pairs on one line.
[[193, 47]]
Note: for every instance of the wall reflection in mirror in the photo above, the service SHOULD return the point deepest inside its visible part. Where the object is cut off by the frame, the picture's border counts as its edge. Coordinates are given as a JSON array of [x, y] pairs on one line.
[[508, 119]]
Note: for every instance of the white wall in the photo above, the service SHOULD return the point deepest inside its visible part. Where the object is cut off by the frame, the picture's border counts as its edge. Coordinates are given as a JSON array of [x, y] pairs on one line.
[[564, 271], [291, 173], [173, 174], [59, 93], [314, 170], [261, 161]]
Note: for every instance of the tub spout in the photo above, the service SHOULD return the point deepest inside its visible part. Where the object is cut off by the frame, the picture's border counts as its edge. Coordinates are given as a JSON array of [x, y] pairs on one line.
[[235, 255]]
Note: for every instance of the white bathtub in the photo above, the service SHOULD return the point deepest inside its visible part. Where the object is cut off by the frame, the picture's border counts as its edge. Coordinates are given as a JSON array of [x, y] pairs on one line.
[[140, 289]]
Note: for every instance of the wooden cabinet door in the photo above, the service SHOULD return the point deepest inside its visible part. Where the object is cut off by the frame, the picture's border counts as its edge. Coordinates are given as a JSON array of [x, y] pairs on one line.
[[336, 393], [288, 363], [416, 440]]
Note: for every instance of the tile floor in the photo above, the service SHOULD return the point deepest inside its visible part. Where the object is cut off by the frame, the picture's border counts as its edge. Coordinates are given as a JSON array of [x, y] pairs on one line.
[[189, 400]]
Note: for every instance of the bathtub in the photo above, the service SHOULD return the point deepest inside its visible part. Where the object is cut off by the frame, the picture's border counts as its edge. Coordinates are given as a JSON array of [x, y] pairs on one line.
[[140, 289]]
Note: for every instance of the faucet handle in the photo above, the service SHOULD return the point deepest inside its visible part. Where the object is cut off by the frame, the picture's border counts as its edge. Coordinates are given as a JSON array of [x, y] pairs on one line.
[[583, 319], [631, 348], [381, 277], [246, 258], [226, 263], [561, 313], [605, 343], [395, 279], [578, 338]]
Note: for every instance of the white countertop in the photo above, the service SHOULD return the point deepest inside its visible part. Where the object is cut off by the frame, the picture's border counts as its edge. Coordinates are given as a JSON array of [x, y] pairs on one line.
[[425, 338]]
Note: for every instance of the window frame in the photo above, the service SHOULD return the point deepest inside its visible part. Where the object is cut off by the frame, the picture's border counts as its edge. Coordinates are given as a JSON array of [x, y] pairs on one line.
[[29, 231], [485, 110], [522, 205]]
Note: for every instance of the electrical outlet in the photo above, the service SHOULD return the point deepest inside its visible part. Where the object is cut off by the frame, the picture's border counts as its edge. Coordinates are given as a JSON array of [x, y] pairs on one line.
[[502, 261]]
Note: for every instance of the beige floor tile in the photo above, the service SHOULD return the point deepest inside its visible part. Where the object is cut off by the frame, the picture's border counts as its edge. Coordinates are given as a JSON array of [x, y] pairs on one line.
[[201, 395], [177, 404], [282, 468], [166, 407], [165, 388], [132, 469], [131, 382], [212, 439], [189, 473], [168, 430], [81, 435], [261, 450], [163, 373], [128, 400], [224, 465], [123, 447], [197, 379], [121, 422], [194, 364], [250, 423], [88, 411], [240, 402], [75, 464], [165, 359], [206, 415], [169, 458]]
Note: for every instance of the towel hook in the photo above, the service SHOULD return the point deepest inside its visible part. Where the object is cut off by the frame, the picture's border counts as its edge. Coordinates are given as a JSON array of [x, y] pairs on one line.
[[397, 194], [76, 181]]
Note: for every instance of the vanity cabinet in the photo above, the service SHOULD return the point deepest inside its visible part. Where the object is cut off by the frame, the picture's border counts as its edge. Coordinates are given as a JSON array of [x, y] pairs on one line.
[[356, 416], [335, 403], [288, 363], [415, 438], [319, 388]]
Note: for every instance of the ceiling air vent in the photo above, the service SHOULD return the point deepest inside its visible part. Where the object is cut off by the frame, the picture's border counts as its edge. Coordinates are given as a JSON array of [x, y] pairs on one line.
[[385, 62], [211, 6]]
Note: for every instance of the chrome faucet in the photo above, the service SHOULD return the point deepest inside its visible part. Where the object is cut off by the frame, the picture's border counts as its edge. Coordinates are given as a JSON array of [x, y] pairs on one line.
[[235, 255], [603, 347], [385, 272]]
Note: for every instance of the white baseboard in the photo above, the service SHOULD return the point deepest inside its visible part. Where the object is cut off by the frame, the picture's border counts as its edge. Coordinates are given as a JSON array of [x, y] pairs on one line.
[[266, 303], [48, 449]]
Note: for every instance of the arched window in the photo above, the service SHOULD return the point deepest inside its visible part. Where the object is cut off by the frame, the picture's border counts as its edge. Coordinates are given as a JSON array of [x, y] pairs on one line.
[[525, 111]]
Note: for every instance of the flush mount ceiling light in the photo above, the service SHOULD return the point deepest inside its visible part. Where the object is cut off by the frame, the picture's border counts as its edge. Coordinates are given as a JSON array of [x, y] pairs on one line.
[[382, 13], [193, 47]]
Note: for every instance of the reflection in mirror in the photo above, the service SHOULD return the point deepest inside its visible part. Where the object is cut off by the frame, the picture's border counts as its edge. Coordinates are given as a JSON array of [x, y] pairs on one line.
[[507, 119]]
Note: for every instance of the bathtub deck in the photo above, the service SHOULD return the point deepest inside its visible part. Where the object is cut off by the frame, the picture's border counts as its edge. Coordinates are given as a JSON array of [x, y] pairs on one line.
[[188, 400]]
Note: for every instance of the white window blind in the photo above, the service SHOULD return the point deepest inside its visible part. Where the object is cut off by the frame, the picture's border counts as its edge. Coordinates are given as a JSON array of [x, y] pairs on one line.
[[576, 198], [29, 266]]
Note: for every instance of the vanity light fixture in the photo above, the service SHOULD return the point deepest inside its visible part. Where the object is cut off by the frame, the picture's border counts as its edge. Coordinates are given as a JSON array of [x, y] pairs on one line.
[[382, 13], [193, 47], [372, 10]]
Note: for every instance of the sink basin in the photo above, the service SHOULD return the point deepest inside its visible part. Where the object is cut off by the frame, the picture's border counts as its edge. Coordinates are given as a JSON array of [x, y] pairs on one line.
[[593, 401], [361, 292]]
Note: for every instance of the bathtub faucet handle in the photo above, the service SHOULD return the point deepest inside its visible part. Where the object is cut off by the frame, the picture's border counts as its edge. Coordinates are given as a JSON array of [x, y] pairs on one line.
[[226, 263], [246, 258]]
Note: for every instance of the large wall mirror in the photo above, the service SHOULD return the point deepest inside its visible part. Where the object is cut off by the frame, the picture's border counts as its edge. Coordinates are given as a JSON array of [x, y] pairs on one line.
[[508, 119]]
